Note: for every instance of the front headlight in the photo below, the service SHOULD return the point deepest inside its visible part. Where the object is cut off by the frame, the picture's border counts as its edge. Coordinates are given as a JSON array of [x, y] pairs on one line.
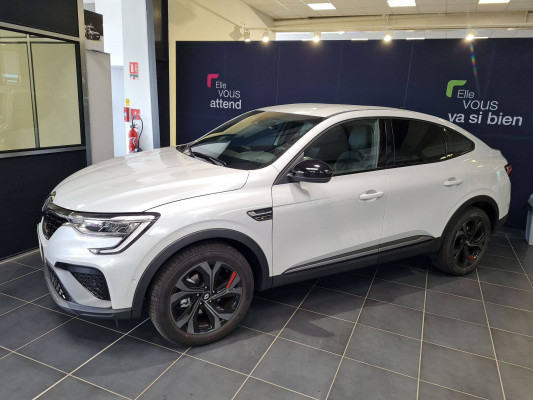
[[127, 227]]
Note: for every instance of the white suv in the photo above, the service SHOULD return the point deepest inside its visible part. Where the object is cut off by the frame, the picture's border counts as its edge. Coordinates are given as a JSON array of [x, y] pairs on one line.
[[274, 196]]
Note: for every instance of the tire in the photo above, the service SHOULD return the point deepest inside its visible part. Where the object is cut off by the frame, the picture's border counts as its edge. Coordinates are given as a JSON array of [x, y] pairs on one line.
[[464, 242], [192, 306]]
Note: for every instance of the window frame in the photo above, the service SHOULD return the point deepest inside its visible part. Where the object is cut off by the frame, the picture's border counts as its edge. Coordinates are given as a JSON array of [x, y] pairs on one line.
[[391, 162], [27, 39], [282, 178]]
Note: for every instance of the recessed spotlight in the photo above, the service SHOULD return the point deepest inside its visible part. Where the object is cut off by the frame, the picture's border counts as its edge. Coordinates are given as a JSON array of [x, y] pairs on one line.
[[246, 35], [401, 3], [387, 37], [493, 1], [469, 37], [316, 37], [266, 37], [321, 6]]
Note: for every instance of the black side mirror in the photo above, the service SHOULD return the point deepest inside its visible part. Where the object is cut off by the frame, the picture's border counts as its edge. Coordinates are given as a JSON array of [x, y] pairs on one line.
[[311, 171]]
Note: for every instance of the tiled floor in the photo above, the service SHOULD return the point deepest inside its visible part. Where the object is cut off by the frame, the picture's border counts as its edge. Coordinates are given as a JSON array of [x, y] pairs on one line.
[[400, 331]]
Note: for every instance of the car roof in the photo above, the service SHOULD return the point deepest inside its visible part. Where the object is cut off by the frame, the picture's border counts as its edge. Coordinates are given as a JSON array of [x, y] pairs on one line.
[[321, 109]]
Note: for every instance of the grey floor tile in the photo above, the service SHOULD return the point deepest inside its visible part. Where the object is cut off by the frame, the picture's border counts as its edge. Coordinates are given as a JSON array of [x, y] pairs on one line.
[[460, 286], [392, 318], [513, 348], [8, 303], [460, 371], [333, 303], [390, 292], [255, 389], [508, 264], [505, 278], [70, 345], [507, 296], [48, 302], [11, 270], [300, 368], [21, 378], [528, 267], [3, 352], [524, 253], [121, 325], [26, 323], [369, 271], [402, 274], [386, 350], [510, 319], [458, 335], [128, 366], [347, 282], [148, 332], [240, 350], [455, 307], [517, 382], [28, 287], [192, 379], [363, 382], [499, 240], [501, 251], [288, 294], [428, 391], [318, 331], [32, 258], [267, 316], [72, 388]]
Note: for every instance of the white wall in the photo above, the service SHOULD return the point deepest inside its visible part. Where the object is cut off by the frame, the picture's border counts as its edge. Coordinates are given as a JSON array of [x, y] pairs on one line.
[[206, 20], [112, 15], [117, 89]]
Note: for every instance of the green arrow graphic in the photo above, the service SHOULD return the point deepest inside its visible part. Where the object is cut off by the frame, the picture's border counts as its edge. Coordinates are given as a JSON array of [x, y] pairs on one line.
[[453, 83]]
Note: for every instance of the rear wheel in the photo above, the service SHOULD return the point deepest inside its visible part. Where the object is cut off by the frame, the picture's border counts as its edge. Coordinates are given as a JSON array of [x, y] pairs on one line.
[[201, 294], [464, 242]]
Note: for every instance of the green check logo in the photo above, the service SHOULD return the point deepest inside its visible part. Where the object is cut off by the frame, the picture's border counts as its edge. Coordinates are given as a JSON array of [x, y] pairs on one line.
[[453, 83]]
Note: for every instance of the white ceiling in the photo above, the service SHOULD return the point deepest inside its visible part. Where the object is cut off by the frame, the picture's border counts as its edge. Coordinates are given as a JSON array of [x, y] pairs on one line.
[[289, 9]]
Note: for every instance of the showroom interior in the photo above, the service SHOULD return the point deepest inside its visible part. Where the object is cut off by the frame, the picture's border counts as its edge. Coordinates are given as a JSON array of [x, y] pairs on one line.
[[84, 83]]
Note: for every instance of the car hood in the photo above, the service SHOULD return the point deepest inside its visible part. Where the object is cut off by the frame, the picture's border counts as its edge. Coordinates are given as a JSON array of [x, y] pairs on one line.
[[144, 180]]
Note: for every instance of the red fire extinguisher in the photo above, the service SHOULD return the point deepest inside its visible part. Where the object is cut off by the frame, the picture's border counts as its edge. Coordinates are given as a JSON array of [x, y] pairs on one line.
[[133, 137]]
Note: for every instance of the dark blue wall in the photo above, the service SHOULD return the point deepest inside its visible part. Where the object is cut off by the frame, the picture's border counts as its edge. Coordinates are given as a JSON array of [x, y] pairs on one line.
[[413, 75]]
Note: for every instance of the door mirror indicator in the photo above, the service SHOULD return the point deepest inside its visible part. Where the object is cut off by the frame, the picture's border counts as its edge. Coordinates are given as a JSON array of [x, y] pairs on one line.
[[311, 171]]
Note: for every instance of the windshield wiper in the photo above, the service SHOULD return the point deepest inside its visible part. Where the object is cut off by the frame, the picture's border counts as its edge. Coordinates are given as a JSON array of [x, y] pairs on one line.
[[212, 159]]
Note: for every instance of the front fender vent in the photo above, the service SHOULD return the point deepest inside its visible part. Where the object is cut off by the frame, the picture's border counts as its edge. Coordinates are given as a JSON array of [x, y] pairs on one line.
[[263, 214]]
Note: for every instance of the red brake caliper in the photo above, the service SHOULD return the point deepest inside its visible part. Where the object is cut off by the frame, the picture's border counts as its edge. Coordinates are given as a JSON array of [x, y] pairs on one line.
[[233, 275]]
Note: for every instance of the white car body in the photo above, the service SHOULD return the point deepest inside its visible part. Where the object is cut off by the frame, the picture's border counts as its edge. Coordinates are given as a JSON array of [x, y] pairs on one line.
[[311, 224]]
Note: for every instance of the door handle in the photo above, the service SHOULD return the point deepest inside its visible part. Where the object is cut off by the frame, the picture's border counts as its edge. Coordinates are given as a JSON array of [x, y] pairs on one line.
[[371, 195], [452, 182]]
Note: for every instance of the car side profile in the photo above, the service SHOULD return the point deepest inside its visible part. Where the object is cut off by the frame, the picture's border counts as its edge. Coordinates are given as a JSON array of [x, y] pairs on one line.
[[274, 196]]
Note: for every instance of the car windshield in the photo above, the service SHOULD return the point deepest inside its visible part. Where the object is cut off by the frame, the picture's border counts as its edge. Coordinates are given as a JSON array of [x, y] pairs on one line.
[[253, 140]]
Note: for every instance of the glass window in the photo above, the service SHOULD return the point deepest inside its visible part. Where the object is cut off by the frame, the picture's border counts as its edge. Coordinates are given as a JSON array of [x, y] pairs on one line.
[[417, 142], [457, 143], [253, 140], [39, 99], [347, 148]]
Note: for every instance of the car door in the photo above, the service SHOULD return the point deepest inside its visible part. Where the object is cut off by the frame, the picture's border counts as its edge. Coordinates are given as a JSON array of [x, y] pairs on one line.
[[424, 184], [317, 224]]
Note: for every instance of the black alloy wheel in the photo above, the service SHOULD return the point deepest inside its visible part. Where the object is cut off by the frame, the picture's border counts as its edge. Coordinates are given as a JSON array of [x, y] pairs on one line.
[[205, 297], [469, 242], [201, 293]]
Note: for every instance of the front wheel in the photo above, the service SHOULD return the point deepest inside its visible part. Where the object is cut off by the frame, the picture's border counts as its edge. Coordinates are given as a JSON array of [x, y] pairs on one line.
[[201, 294], [464, 242]]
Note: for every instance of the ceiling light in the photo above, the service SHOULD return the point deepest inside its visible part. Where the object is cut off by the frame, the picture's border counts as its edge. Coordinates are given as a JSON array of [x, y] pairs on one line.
[[266, 37], [321, 6], [388, 37], [415, 38], [246, 35], [401, 3], [481, 37], [469, 37], [359, 39], [493, 1], [316, 37]]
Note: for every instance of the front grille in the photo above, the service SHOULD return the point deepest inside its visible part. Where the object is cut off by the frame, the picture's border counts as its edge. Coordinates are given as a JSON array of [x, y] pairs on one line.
[[56, 283], [52, 222], [94, 282]]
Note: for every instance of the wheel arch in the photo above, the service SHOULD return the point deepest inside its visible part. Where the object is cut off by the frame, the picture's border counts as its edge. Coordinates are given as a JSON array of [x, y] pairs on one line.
[[485, 203], [244, 244]]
